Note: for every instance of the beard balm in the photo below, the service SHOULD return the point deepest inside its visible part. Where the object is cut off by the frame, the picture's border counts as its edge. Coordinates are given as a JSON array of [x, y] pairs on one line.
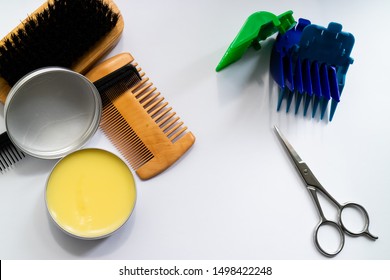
[[90, 193]]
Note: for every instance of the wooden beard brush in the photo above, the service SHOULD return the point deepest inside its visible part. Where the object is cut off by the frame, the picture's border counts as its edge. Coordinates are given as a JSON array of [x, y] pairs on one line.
[[68, 33], [137, 119]]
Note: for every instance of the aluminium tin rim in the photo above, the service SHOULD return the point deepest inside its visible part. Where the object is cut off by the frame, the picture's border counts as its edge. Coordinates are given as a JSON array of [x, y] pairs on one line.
[[58, 225], [77, 143]]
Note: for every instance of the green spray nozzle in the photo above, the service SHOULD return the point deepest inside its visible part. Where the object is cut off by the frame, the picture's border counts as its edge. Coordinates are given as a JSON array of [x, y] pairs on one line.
[[259, 26]]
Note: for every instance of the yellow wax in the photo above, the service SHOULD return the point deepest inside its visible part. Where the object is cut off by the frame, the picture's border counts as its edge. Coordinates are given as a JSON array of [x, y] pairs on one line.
[[90, 193]]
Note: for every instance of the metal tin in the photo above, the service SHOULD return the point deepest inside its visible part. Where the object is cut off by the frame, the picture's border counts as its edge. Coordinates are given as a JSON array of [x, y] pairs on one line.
[[77, 194], [51, 112]]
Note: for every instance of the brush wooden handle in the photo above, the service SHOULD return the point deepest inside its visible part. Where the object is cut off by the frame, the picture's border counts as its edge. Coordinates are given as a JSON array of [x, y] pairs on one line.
[[108, 66], [4, 89], [140, 123], [87, 60]]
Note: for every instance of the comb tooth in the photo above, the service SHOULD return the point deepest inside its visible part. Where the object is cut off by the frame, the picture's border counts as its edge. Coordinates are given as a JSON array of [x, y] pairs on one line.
[[110, 124], [110, 115], [127, 137], [9, 154], [142, 90], [127, 134], [129, 156], [138, 85], [124, 138], [139, 69], [133, 80], [173, 127], [6, 161], [18, 154], [163, 114], [3, 163], [111, 94], [139, 158], [153, 102], [142, 74], [12, 154], [145, 96], [10, 158], [167, 123], [134, 151], [158, 110], [133, 154], [175, 136]]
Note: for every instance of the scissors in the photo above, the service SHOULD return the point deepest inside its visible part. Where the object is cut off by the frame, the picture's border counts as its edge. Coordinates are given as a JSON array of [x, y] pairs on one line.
[[314, 187]]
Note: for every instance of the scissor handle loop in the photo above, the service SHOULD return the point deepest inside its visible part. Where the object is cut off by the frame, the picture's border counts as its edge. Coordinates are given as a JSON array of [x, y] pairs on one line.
[[341, 234], [363, 211]]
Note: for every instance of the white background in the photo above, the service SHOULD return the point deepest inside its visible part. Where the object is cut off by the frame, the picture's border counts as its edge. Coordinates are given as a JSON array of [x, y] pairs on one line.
[[235, 194]]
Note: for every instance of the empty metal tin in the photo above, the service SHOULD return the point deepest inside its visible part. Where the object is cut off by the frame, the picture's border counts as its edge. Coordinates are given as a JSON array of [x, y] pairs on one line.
[[51, 112]]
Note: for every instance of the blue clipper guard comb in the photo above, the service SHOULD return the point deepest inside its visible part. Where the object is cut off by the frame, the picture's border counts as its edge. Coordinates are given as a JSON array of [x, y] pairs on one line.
[[311, 61]]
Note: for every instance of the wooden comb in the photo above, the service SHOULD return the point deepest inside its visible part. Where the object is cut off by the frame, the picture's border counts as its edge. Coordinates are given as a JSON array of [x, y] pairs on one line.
[[139, 121], [85, 63]]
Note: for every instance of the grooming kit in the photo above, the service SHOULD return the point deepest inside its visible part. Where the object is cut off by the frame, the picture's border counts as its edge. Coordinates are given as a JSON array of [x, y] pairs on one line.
[[52, 109], [56, 99], [308, 62]]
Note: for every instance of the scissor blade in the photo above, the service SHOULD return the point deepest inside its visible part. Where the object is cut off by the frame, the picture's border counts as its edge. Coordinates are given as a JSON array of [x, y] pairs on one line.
[[294, 155], [306, 174]]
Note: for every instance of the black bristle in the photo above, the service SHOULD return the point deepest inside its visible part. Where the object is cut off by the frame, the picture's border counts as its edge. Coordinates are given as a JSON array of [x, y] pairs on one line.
[[58, 36], [9, 154], [126, 76], [114, 84]]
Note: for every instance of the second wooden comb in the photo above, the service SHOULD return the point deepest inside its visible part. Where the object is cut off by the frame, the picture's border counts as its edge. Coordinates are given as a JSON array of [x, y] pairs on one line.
[[138, 120]]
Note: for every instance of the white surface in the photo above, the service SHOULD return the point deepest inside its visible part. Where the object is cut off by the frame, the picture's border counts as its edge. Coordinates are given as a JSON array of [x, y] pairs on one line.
[[235, 194]]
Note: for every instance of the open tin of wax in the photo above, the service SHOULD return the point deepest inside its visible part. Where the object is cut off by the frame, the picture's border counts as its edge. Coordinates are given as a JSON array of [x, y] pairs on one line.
[[90, 194], [51, 112]]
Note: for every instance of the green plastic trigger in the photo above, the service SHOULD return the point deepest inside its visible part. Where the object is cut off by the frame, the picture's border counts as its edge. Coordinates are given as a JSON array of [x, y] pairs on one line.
[[259, 26]]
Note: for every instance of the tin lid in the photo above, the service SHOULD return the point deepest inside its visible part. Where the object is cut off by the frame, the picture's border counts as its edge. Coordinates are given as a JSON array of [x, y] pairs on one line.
[[51, 112]]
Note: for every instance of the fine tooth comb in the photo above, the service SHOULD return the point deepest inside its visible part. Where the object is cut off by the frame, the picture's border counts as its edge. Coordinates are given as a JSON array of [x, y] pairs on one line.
[[310, 62], [67, 33], [9, 154], [138, 120]]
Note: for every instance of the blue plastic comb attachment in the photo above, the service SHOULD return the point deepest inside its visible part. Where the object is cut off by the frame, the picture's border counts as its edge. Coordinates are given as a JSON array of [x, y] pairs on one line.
[[310, 62], [307, 85], [282, 65], [316, 83], [298, 85], [325, 90], [332, 47], [334, 90]]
